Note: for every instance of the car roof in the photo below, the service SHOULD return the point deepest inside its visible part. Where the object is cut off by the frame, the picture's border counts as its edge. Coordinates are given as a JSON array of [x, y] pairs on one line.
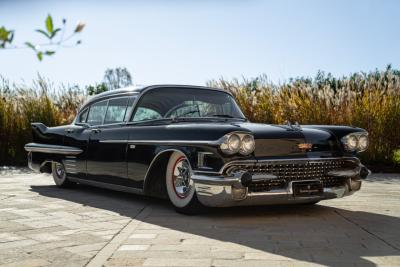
[[138, 89]]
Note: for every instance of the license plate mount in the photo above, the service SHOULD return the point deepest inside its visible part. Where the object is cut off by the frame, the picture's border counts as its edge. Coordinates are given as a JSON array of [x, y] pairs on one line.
[[307, 188]]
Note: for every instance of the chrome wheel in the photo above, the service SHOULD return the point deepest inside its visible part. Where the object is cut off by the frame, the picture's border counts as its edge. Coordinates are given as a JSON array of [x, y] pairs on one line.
[[181, 181], [60, 175], [60, 171], [180, 187]]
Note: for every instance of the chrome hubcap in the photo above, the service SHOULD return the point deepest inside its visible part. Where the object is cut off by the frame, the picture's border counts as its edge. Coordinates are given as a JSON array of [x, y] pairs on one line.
[[181, 178], [60, 171]]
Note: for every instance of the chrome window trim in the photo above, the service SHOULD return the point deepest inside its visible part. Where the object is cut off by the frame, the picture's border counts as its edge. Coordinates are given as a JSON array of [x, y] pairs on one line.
[[153, 87], [108, 98]]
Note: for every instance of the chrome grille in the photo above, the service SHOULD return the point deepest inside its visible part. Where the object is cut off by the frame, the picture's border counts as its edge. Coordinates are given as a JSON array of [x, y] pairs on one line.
[[288, 171]]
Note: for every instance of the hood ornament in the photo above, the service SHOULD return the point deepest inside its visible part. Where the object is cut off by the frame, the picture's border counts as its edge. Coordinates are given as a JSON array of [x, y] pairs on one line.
[[295, 127], [305, 146]]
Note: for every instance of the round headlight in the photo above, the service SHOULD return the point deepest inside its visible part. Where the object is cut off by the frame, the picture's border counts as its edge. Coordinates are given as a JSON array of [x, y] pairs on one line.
[[234, 143], [231, 144], [248, 145], [362, 143], [352, 142]]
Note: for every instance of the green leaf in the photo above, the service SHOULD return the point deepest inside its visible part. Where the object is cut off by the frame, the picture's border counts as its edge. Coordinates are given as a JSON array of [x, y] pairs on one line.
[[39, 56], [54, 33], [30, 45], [3, 34], [44, 33], [49, 53], [49, 24]]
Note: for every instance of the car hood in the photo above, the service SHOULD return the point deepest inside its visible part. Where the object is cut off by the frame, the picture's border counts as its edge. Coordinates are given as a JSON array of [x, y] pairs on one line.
[[271, 140], [283, 140]]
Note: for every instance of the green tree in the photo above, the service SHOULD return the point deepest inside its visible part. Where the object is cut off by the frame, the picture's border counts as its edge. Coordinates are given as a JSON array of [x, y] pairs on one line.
[[96, 89], [117, 78], [55, 37]]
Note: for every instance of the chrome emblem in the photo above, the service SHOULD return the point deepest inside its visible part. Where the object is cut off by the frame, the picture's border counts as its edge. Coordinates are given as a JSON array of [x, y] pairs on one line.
[[304, 146]]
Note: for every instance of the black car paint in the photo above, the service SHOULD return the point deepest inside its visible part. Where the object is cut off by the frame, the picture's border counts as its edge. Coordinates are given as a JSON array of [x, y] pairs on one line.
[[122, 154]]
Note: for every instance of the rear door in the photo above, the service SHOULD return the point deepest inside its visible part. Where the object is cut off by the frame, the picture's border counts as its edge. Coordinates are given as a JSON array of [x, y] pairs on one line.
[[77, 136]]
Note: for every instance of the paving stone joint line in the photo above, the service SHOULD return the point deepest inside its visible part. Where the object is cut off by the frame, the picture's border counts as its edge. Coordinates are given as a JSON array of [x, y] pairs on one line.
[[366, 230]]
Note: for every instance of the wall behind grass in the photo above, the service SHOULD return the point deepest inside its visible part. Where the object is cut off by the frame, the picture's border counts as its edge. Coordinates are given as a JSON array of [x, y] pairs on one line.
[[367, 100]]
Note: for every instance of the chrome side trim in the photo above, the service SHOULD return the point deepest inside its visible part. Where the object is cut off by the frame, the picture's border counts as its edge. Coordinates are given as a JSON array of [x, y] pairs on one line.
[[112, 141], [174, 142], [52, 149], [120, 188], [163, 142]]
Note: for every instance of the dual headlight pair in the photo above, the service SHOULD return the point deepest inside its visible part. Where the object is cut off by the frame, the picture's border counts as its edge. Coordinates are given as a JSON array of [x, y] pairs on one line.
[[241, 143], [356, 142]]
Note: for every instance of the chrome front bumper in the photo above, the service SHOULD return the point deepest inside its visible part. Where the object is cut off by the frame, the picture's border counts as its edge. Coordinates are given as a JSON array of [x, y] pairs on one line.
[[224, 191]]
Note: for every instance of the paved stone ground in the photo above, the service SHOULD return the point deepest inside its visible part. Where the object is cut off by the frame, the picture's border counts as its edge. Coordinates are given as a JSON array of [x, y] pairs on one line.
[[41, 225]]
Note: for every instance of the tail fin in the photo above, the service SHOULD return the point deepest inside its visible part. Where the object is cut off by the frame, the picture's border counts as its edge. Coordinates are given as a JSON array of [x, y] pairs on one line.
[[38, 130]]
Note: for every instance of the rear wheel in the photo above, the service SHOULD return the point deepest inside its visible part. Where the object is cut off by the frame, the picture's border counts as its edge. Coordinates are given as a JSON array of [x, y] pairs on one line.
[[180, 186], [60, 176]]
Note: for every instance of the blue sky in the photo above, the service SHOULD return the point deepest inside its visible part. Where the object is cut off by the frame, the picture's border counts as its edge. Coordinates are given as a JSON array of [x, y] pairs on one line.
[[191, 42]]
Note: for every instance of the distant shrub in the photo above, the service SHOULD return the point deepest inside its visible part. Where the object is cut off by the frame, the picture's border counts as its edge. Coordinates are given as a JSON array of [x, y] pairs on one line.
[[396, 156]]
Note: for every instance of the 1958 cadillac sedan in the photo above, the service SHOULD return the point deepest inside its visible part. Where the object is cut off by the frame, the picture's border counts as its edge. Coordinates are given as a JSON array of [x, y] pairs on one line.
[[195, 147]]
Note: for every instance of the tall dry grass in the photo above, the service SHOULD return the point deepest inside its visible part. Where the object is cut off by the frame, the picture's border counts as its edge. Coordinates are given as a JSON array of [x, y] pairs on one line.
[[20, 105], [367, 100]]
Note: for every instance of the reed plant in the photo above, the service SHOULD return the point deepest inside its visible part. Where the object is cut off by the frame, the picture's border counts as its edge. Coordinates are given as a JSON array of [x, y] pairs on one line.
[[20, 105], [367, 100]]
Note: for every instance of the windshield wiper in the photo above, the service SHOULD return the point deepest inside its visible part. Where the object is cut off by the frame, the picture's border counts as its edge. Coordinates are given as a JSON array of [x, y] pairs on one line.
[[227, 116]]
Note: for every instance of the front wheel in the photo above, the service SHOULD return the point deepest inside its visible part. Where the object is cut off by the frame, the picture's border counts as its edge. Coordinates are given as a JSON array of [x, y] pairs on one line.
[[180, 186], [59, 175]]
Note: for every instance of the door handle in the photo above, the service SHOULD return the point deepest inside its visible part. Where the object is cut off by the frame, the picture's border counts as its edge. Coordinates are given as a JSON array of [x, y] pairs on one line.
[[96, 130], [69, 130]]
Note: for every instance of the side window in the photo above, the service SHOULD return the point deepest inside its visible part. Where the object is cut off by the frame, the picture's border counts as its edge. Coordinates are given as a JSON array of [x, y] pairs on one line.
[[143, 114], [97, 112], [83, 116], [116, 110]]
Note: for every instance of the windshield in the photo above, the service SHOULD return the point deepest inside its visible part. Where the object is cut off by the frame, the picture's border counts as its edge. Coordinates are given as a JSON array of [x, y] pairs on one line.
[[186, 103]]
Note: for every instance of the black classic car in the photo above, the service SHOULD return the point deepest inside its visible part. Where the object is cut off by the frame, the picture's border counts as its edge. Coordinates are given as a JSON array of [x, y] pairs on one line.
[[193, 146]]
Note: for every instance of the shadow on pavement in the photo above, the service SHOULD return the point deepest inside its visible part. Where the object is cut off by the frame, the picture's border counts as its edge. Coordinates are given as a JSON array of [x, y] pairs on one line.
[[319, 234]]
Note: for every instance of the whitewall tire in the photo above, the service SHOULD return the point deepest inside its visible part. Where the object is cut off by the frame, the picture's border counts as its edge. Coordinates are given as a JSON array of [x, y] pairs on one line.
[[59, 175], [180, 187]]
